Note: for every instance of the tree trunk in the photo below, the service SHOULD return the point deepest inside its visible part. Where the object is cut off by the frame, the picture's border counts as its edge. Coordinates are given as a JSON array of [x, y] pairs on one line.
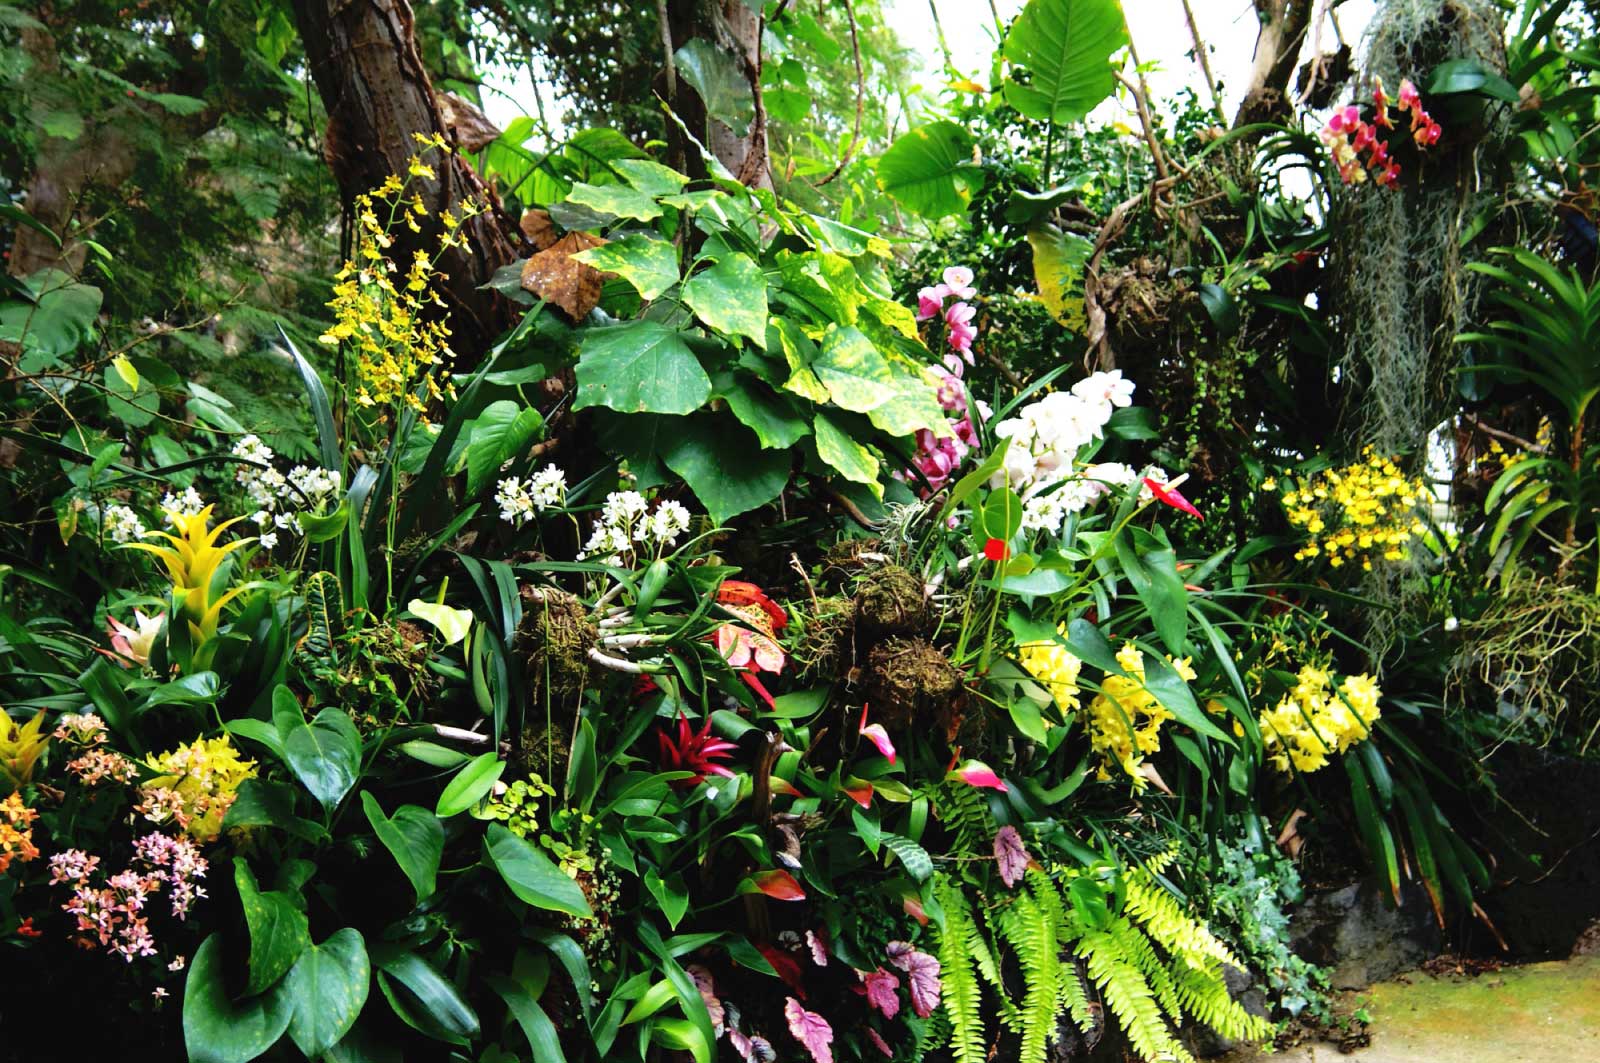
[[735, 31], [364, 59], [1283, 29]]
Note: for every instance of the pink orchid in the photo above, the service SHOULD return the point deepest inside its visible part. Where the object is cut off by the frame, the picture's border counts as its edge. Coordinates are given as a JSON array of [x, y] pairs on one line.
[[1409, 96], [976, 773], [958, 319], [958, 282], [930, 301], [874, 733], [130, 645], [951, 394]]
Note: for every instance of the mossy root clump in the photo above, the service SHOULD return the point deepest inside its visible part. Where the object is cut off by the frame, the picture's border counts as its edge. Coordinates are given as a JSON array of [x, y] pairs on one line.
[[909, 682], [824, 647], [554, 641], [889, 601]]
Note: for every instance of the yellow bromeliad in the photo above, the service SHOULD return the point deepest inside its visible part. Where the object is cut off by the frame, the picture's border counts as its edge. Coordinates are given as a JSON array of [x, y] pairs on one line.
[[20, 748], [193, 561], [195, 786]]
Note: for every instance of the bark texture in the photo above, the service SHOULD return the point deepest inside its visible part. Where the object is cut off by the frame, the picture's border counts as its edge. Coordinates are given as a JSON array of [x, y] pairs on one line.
[[1278, 43], [366, 65], [735, 30]]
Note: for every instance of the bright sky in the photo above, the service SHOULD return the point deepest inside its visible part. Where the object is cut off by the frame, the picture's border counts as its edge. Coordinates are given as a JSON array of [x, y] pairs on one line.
[[1158, 28]]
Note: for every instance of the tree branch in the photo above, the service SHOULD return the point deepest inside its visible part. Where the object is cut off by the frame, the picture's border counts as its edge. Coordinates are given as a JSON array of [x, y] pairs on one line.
[[861, 92]]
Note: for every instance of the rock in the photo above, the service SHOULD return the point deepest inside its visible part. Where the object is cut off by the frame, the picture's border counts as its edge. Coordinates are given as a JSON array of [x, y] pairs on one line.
[[1205, 1042], [1361, 938]]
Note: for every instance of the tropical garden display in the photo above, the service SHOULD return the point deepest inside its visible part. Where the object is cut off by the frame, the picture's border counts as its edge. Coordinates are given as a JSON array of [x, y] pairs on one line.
[[759, 558]]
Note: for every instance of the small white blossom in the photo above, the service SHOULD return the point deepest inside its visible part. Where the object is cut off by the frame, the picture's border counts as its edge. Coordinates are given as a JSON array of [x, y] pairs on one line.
[[186, 505], [268, 540], [121, 524], [548, 487], [1451, 623], [668, 522], [515, 502], [622, 508]]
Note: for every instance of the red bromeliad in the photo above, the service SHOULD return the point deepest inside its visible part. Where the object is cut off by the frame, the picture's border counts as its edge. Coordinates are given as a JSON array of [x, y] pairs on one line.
[[696, 751]]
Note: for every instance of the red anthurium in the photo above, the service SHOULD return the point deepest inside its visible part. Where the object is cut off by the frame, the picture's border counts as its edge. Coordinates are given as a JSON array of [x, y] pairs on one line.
[[912, 906], [859, 791], [788, 970], [996, 550], [1168, 494], [696, 751], [874, 733], [778, 884], [783, 786], [976, 773]]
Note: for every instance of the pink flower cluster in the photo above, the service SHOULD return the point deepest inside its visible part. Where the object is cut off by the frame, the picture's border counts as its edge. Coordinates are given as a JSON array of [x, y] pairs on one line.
[[113, 915], [1348, 135], [97, 765], [940, 454]]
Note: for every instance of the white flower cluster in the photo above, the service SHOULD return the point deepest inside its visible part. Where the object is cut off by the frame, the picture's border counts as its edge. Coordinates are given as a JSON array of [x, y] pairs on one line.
[[185, 505], [278, 498], [520, 499], [1046, 438], [121, 524], [625, 519]]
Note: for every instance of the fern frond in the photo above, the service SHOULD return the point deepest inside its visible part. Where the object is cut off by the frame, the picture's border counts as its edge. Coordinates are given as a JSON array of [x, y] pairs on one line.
[[965, 815], [1205, 996], [1136, 945], [960, 990], [1163, 918], [1128, 996], [1033, 935]]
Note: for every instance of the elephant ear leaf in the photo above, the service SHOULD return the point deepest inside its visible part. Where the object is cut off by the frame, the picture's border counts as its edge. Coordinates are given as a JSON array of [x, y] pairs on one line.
[[327, 988], [215, 1028], [1065, 46]]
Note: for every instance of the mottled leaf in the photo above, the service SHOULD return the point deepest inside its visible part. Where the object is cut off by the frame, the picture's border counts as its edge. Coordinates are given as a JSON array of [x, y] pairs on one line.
[[1010, 855], [923, 970], [557, 276], [640, 367], [839, 450], [646, 262], [731, 297], [327, 988], [810, 1029], [850, 367]]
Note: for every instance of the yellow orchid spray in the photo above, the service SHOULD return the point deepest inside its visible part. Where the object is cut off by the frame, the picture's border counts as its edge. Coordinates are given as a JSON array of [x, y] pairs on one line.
[[193, 561]]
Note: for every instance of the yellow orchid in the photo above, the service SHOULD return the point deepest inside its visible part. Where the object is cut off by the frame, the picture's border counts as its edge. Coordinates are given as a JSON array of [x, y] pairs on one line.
[[192, 561], [20, 748]]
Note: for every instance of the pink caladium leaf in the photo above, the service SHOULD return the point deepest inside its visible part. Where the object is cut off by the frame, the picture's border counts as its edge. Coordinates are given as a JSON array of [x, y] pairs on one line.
[[880, 986], [708, 993], [923, 970], [879, 1043], [1010, 854], [819, 948], [810, 1029]]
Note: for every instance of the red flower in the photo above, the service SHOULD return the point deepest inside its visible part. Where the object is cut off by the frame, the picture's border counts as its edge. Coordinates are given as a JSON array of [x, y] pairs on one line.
[[1169, 495], [28, 930], [695, 751], [996, 550], [738, 592]]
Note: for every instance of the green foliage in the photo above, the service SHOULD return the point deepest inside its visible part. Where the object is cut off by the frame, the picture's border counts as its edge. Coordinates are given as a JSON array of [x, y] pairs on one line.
[[1064, 47]]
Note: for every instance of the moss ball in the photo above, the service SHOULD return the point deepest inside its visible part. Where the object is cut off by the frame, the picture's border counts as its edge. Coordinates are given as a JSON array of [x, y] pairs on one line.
[[909, 681], [889, 601], [823, 648], [554, 641]]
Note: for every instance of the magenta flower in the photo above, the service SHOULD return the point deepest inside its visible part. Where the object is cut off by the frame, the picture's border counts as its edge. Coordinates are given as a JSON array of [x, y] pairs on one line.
[[696, 751], [976, 773], [930, 302], [874, 733]]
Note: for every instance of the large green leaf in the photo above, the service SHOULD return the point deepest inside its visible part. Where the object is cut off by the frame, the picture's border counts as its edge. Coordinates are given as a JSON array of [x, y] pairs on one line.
[[716, 78], [279, 932], [839, 450], [61, 319], [533, 876], [823, 282], [1065, 47], [731, 297], [470, 785], [498, 434], [930, 169], [619, 201], [640, 367], [646, 262], [772, 417], [325, 755], [727, 470], [855, 374], [1058, 261], [651, 178], [414, 837], [799, 352], [912, 407], [217, 1030], [327, 988], [426, 1000]]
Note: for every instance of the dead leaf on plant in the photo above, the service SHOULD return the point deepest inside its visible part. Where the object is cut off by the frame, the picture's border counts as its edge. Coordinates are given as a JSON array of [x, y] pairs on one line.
[[538, 228], [561, 280]]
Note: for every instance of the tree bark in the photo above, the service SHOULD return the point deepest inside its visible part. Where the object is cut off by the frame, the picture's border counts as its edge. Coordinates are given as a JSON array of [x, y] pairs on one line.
[[735, 31], [1283, 29], [366, 65]]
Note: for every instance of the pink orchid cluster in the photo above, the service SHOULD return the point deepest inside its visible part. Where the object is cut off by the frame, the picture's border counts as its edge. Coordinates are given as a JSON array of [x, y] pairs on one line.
[[112, 915], [1348, 135], [939, 454]]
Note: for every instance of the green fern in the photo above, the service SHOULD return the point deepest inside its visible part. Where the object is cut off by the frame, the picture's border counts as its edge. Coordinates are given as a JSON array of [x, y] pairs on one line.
[[965, 815], [1127, 993], [961, 996], [1159, 912]]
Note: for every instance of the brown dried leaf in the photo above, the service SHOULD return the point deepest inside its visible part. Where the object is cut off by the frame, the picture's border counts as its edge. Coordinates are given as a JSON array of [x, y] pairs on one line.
[[537, 227], [561, 280], [472, 128]]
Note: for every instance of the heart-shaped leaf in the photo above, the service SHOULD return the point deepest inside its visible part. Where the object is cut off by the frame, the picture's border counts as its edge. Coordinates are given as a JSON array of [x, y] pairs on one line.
[[215, 1029], [533, 876], [325, 755], [414, 837], [279, 932], [327, 988]]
